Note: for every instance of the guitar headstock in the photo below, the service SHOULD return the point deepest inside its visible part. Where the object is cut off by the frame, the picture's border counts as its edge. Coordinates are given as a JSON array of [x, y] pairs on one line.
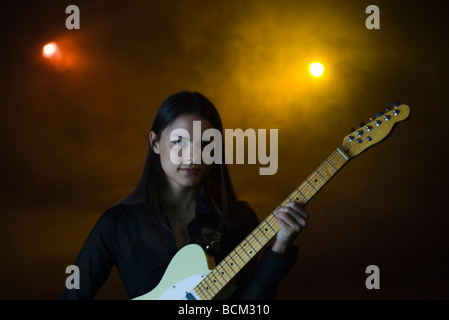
[[374, 131]]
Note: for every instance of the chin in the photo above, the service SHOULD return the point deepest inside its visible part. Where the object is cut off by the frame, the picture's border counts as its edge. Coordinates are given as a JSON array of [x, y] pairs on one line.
[[189, 182]]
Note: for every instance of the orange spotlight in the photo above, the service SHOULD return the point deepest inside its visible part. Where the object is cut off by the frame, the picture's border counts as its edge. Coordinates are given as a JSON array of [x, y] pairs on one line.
[[50, 50]]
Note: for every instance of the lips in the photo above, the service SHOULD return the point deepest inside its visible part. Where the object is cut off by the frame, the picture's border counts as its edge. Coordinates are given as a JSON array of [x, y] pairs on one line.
[[189, 170]]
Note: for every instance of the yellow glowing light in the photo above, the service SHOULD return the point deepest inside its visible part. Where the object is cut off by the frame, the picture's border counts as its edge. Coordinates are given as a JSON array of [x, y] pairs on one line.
[[50, 50], [316, 69]]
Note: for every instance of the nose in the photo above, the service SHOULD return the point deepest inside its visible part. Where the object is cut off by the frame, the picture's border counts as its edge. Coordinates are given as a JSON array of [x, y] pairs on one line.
[[194, 154]]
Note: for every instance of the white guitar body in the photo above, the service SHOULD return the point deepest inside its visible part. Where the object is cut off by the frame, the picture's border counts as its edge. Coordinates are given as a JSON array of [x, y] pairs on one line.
[[187, 268]]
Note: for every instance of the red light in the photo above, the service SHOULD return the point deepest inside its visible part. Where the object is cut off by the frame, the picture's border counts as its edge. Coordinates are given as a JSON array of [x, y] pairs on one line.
[[62, 54], [50, 50]]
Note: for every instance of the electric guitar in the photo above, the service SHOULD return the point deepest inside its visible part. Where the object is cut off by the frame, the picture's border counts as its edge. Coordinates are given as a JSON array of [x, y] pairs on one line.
[[191, 274]]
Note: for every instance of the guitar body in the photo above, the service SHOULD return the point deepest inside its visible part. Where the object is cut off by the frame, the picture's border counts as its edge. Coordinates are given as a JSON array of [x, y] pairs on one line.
[[188, 267]]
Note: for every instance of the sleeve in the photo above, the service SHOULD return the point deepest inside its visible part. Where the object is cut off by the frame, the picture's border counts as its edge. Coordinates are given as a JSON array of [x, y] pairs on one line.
[[95, 260], [259, 280], [266, 275]]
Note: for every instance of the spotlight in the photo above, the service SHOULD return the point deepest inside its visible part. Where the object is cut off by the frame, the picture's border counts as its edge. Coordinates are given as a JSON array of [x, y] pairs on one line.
[[316, 69], [50, 50]]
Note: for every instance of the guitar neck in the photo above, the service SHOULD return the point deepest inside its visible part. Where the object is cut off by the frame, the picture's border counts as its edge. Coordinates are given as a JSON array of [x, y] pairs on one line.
[[228, 268]]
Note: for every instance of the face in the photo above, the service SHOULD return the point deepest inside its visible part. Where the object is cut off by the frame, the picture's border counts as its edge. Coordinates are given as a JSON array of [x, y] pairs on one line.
[[180, 135]]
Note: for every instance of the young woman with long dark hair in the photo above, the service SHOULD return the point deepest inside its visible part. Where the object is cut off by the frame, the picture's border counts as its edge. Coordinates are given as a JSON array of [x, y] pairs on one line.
[[177, 204]]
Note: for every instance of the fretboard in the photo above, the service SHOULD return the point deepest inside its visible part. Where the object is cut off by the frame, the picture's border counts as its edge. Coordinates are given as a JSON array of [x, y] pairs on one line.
[[229, 267]]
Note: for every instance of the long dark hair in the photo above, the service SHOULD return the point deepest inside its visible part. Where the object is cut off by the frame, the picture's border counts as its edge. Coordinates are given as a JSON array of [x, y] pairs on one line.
[[215, 188]]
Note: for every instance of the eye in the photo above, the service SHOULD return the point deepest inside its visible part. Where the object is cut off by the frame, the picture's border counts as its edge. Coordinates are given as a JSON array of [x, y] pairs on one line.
[[178, 140]]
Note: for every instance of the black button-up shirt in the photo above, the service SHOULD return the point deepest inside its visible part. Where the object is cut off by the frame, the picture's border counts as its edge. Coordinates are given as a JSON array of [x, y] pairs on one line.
[[141, 247]]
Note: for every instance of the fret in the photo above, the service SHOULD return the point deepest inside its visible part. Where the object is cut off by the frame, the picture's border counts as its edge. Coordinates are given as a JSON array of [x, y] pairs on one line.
[[224, 273], [326, 171], [199, 293], [342, 153], [247, 249], [261, 231], [269, 225], [212, 278], [205, 292], [244, 262], [321, 175], [271, 221], [215, 282], [247, 242], [252, 233], [302, 195], [244, 251], [227, 268], [221, 273], [311, 185], [337, 159], [331, 165], [209, 286], [234, 262]]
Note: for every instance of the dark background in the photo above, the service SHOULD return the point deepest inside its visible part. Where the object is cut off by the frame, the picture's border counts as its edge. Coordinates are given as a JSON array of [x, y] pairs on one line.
[[74, 132]]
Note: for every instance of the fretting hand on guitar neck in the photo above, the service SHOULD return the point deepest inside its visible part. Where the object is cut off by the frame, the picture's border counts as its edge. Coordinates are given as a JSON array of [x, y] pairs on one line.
[[291, 218], [156, 236]]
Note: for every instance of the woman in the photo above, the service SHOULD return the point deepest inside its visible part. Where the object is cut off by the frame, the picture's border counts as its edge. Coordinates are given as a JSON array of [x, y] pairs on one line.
[[177, 204]]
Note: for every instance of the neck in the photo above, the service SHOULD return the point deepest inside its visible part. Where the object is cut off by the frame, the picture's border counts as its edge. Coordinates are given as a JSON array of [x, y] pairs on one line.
[[228, 268], [180, 198]]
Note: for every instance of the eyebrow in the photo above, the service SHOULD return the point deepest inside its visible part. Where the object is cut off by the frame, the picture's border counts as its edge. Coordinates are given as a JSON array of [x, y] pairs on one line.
[[177, 135]]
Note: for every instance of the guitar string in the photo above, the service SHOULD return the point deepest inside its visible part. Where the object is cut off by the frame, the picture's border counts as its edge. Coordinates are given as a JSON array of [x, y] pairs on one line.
[[296, 193], [335, 156], [271, 219], [324, 166], [301, 189]]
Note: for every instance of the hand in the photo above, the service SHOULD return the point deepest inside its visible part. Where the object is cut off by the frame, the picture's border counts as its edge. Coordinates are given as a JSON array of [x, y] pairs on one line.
[[292, 218]]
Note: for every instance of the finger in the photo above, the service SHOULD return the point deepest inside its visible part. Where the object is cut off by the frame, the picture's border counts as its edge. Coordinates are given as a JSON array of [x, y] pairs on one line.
[[298, 208], [291, 218], [288, 230]]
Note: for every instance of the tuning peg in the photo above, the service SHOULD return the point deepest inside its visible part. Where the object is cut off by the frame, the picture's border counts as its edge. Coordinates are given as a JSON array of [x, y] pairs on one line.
[[388, 109], [380, 114], [361, 125], [397, 104], [352, 129]]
